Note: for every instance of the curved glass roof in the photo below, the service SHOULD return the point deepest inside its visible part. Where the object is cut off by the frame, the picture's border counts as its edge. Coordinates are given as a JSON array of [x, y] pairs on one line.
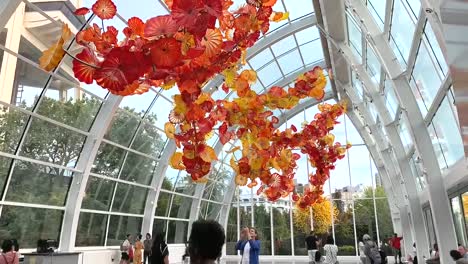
[[94, 166]]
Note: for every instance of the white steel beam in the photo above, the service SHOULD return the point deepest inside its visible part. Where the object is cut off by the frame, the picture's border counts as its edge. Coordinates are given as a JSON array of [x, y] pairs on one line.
[[7, 9], [156, 184], [436, 188], [84, 164]]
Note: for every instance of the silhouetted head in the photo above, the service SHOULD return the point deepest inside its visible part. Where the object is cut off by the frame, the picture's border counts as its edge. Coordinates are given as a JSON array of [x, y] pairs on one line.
[[206, 241], [455, 255]]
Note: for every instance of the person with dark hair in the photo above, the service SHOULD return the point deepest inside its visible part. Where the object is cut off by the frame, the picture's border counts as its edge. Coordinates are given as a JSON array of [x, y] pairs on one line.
[[435, 258], [457, 257], [9, 255], [249, 246], [312, 243], [331, 251], [395, 242], [125, 248], [147, 251], [206, 242], [138, 255], [159, 251]]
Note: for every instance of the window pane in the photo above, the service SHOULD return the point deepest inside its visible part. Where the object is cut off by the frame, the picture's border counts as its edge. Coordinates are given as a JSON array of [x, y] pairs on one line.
[[384, 217], [123, 127], [149, 140], [5, 164], [402, 29], [312, 52], [448, 132], [120, 226], [365, 216], [269, 74], [262, 224], [12, 124], [232, 230], [391, 100], [465, 209], [138, 169], [34, 183], [437, 147], [430, 227], [283, 45], [76, 113], [129, 199], [209, 210], [163, 204], [91, 230], [404, 133], [108, 160], [458, 220], [419, 98], [177, 232], [431, 38], [373, 65], [98, 194], [344, 228], [290, 62], [377, 9], [180, 206], [281, 229], [48, 142], [16, 222], [426, 76]]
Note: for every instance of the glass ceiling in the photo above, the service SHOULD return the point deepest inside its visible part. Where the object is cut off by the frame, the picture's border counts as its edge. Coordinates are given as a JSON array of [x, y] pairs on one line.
[[49, 120]]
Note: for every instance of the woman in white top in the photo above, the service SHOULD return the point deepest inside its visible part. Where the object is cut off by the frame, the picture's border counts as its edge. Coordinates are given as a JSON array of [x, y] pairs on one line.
[[331, 251]]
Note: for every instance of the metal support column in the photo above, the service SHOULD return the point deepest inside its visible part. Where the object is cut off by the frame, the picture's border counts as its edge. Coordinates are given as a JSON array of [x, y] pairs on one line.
[[438, 198], [84, 164], [7, 8]]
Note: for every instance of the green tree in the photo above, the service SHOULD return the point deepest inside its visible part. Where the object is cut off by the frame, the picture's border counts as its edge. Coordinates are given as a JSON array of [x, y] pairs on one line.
[[365, 216]]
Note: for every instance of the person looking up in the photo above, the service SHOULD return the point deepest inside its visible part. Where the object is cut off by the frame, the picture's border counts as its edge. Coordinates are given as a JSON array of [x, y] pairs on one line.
[[206, 242], [249, 246], [395, 242]]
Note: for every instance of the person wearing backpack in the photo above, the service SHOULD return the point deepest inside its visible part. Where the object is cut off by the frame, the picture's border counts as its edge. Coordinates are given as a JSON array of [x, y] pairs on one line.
[[371, 250]]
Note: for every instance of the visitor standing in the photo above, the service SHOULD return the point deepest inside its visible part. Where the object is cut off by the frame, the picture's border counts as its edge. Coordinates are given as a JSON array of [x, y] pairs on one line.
[[125, 247], [362, 254], [312, 243], [249, 246], [147, 251], [395, 242], [331, 251], [206, 242], [371, 250], [138, 257], [457, 257], [159, 251], [9, 255]]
